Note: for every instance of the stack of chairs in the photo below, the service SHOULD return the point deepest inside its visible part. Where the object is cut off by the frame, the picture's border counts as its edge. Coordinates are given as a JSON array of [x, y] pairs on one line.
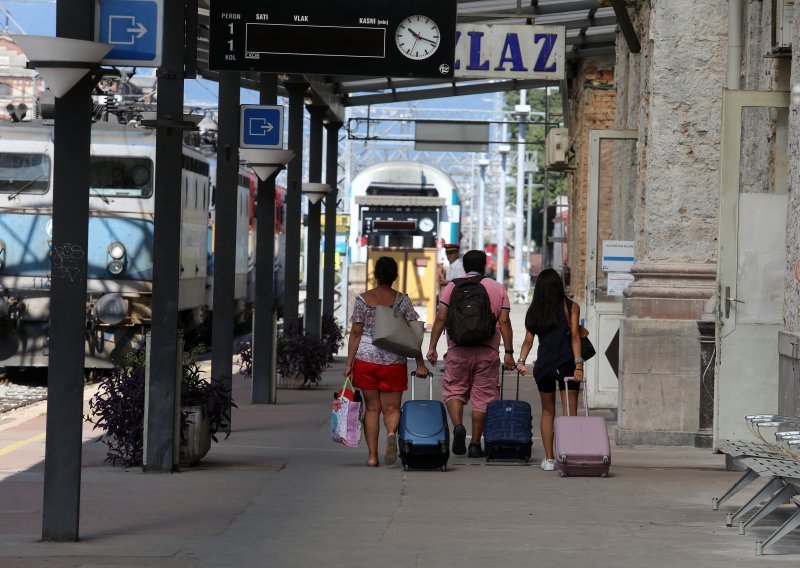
[[776, 458]]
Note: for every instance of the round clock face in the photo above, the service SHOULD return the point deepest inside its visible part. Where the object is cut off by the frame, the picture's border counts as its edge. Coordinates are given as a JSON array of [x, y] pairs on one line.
[[426, 224], [417, 37]]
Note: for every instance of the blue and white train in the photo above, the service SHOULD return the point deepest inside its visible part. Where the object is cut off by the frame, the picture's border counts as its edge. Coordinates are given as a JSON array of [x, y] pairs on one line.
[[120, 252]]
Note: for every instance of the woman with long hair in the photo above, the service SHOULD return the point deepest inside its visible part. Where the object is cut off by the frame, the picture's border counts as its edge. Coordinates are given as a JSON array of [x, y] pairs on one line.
[[381, 375], [555, 320]]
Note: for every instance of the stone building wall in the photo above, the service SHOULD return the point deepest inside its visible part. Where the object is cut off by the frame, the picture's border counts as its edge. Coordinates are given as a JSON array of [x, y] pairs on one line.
[[594, 108], [671, 93]]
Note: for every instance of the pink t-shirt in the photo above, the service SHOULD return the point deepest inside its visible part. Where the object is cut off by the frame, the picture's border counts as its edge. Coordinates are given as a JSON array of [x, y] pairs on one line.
[[497, 297]]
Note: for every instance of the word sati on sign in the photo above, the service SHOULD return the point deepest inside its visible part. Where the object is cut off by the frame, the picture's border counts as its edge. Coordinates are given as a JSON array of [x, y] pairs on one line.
[[510, 52]]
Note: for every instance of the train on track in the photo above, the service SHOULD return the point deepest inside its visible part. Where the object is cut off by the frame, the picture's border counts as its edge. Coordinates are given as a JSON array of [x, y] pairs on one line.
[[120, 249]]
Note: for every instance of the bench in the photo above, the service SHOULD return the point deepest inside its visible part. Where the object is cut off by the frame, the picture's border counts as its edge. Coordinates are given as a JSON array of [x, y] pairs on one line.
[[778, 462]]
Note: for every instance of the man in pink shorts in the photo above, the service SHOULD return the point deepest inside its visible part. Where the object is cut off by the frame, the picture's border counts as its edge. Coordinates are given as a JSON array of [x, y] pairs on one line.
[[472, 372]]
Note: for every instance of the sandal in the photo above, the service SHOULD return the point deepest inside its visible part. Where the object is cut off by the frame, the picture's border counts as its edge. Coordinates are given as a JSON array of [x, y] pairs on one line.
[[390, 456]]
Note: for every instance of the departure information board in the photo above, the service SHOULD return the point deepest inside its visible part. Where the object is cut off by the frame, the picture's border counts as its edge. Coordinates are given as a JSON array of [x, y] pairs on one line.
[[375, 38]]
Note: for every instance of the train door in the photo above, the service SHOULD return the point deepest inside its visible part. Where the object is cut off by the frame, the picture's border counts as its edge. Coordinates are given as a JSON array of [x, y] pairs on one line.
[[609, 255], [752, 258]]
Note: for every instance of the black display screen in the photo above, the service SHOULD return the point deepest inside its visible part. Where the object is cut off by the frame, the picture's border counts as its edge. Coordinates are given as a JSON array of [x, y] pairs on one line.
[[316, 40], [370, 38]]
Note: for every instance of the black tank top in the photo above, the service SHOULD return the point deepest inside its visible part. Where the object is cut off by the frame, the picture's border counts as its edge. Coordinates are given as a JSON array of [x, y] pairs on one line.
[[555, 347]]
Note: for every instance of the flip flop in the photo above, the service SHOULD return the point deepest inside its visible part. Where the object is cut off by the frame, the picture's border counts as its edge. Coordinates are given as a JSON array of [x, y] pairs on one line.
[[390, 456]]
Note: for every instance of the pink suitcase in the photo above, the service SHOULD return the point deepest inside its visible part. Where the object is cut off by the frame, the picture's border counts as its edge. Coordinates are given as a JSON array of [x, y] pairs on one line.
[[582, 446]]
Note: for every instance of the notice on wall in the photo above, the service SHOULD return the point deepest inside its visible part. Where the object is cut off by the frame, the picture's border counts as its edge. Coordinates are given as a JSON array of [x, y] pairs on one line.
[[617, 282], [617, 256]]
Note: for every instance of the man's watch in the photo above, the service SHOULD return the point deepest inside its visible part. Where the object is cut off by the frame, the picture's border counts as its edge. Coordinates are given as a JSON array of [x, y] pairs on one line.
[[509, 351]]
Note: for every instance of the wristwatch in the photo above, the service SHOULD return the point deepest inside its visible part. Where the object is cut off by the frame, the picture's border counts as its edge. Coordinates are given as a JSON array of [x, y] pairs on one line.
[[509, 351]]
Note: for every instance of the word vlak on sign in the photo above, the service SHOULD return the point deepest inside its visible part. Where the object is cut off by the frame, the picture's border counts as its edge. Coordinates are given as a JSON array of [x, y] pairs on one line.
[[510, 52]]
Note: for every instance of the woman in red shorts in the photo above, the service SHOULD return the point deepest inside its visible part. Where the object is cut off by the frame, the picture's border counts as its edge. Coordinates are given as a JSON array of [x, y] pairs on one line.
[[381, 375]]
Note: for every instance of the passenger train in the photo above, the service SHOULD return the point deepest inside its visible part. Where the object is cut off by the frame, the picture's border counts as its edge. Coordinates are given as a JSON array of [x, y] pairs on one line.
[[120, 252]]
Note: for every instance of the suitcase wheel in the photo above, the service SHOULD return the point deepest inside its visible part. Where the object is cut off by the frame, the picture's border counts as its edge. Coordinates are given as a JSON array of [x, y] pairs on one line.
[[444, 468], [562, 473], [604, 475], [406, 468], [527, 459]]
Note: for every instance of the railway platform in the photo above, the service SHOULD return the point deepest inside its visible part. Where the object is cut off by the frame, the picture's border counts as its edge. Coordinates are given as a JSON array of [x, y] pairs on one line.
[[279, 493]]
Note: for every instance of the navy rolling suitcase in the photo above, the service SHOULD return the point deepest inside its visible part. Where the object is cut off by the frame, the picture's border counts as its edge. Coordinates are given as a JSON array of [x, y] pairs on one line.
[[507, 432], [423, 436]]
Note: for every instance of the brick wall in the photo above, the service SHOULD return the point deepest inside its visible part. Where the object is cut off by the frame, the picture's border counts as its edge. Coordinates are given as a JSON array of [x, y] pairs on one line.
[[593, 107]]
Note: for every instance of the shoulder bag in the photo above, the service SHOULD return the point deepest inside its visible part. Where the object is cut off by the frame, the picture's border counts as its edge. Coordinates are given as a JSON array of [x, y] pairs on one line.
[[396, 334], [587, 349]]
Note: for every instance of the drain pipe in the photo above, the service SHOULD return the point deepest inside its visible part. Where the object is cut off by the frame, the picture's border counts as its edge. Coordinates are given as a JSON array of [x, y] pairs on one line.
[[733, 82]]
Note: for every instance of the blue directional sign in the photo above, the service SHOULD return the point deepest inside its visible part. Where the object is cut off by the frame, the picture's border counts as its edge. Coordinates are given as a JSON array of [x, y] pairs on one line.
[[134, 28], [261, 126]]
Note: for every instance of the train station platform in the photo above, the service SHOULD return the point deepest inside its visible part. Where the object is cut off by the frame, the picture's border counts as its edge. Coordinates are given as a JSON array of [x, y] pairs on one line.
[[279, 493]]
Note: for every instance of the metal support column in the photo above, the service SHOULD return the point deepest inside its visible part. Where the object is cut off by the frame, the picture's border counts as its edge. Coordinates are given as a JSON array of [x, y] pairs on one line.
[[62, 464], [225, 230], [161, 395], [481, 244], [291, 252], [521, 282], [313, 308], [263, 340], [332, 179]]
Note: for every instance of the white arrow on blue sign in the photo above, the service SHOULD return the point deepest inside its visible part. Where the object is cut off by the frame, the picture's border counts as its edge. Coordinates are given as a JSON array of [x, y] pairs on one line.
[[134, 28], [261, 126]]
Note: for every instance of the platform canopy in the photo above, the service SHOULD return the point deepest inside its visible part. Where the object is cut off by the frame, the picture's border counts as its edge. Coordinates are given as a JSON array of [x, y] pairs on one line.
[[591, 27]]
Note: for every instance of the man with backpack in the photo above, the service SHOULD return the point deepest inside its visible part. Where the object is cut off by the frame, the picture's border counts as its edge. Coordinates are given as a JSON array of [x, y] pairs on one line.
[[475, 311]]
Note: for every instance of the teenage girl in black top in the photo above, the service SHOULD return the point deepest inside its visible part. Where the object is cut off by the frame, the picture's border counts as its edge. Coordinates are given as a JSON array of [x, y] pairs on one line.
[[559, 353]]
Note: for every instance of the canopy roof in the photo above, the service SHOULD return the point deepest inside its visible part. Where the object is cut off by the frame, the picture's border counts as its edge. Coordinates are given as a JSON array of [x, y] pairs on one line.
[[591, 27]]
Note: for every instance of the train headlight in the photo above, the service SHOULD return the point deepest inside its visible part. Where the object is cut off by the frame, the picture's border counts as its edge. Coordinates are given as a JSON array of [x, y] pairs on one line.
[[116, 251], [111, 309], [116, 267]]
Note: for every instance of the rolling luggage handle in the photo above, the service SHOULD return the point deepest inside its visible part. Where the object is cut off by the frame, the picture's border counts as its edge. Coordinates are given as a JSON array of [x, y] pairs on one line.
[[428, 377], [585, 396], [503, 380]]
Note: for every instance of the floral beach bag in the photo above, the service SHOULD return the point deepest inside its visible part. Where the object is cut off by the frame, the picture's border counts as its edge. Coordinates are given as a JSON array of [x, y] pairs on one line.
[[347, 410]]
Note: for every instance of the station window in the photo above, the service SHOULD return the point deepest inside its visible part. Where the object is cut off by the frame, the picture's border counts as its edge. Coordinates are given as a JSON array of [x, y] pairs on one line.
[[121, 176], [24, 173]]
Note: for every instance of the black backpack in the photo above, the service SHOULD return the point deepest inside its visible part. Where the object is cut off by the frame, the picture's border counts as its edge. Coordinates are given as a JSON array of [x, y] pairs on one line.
[[470, 320]]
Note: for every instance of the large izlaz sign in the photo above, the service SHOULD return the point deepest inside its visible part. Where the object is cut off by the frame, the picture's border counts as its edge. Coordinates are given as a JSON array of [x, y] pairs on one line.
[[384, 38], [510, 52]]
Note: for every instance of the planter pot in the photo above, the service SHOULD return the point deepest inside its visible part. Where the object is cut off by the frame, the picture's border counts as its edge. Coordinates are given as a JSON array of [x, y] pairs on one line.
[[292, 381], [196, 437]]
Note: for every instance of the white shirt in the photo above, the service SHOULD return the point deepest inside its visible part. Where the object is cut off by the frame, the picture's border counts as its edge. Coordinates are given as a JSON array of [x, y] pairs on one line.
[[455, 270]]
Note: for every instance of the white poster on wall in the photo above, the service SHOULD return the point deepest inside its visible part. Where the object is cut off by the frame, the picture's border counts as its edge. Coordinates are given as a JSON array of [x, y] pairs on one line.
[[618, 281], [617, 256]]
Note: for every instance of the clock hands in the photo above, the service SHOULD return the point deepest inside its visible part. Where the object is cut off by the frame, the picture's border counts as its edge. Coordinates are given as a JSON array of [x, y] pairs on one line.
[[420, 37]]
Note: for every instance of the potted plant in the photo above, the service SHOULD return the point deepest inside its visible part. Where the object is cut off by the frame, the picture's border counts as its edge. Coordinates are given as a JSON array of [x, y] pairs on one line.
[[118, 409], [300, 358], [332, 334]]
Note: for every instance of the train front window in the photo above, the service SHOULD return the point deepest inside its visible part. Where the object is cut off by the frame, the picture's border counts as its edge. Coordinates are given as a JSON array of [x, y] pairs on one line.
[[121, 176], [24, 173]]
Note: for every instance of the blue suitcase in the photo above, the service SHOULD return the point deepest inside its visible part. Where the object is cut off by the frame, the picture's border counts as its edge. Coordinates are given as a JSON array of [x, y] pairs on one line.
[[423, 436], [507, 431]]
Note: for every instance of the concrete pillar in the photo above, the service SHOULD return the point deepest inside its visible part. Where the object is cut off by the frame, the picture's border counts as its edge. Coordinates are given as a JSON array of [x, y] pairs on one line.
[[290, 247], [331, 178], [676, 222]]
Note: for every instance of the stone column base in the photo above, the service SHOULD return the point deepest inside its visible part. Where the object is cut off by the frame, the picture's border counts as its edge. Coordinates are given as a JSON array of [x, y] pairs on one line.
[[653, 438]]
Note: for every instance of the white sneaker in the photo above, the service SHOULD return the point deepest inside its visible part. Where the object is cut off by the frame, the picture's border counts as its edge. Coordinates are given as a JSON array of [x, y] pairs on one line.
[[548, 465]]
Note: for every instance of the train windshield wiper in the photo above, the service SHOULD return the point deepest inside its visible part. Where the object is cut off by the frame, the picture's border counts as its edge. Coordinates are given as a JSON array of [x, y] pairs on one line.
[[100, 195], [24, 187]]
